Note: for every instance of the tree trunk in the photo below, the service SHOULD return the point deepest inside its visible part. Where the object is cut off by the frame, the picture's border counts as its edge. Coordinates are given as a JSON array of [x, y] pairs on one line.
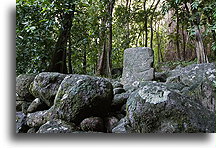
[[58, 62], [84, 61], [105, 63], [128, 3], [201, 56], [151, 23], [184, 43], [200, 50], [177, 35], [70, 68], [145, 24]]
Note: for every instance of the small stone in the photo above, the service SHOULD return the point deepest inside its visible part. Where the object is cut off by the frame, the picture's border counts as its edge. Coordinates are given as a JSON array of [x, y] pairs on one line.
[[118, 91], [92, 124], [57, 126], [110, 123], [117, 84], [37, 105], [21, 126]]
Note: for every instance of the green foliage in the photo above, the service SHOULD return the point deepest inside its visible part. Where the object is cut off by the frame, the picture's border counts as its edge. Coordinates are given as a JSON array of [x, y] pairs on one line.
[[39, 23]]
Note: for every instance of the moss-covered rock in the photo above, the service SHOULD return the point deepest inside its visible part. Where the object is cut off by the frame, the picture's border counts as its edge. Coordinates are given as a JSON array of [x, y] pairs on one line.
[[45, 86], [39, 118], [57, 126], [82, 96], [23, 83], [37, 105], [197, 81], [156, 109]]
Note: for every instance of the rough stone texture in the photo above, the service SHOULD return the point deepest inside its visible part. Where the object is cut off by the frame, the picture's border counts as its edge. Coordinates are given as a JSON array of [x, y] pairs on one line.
[[156, 109], [197, 81], [82, 96], [37, 105], [95, 124], [37, 119], [138, 64], [117, 84], [118, 91], [45, 86], [22, 106], [21, 126], [57, 126], [119, 100], [122, 126], [32, 130], [19, 106], [23, 83], [110, 123]]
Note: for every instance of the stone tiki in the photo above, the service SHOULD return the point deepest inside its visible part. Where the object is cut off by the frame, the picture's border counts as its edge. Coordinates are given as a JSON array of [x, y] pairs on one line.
[[138, 64]]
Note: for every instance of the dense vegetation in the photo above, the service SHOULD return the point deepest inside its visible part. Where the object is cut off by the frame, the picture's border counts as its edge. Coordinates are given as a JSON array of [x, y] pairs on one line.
[[89, 36]]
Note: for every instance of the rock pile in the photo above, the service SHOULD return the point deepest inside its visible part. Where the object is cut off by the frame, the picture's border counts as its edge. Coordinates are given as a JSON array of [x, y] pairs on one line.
[[184, 102]]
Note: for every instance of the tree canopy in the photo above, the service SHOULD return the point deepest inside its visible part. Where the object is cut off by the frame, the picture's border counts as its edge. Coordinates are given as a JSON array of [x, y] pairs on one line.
[[90, 36]]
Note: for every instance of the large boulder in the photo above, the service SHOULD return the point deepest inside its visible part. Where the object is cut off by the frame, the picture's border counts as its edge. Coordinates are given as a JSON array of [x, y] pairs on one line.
[[82, 96], [138, 65], [23, 83], [45, 86], [197, 80], [57, 126], [156, 109]]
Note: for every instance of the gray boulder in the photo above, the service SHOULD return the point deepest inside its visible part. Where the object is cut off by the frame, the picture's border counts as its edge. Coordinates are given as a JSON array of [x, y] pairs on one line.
[[82, 96], [45, 86], [117, 84], [123, 126], [197, 81], [156, 109], [118, 91], [39, 118], [32, 130], [119, 100], [138, 65], [57, 126], [95, 124], [37, 105], [23, 83], [110, 123], [21, 126], [22, 106]]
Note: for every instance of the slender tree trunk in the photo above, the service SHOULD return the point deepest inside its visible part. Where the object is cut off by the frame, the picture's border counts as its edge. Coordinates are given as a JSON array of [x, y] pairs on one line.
[[184, 43], [128, 3], [201, 56], [177, 35], [105, 63], [200, 50], [70, 68], [58, 62], [151, 23], [145, 23], [84, 61]]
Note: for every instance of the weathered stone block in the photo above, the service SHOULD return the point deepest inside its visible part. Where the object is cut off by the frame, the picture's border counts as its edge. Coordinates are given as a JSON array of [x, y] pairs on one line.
[[138, 64]]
